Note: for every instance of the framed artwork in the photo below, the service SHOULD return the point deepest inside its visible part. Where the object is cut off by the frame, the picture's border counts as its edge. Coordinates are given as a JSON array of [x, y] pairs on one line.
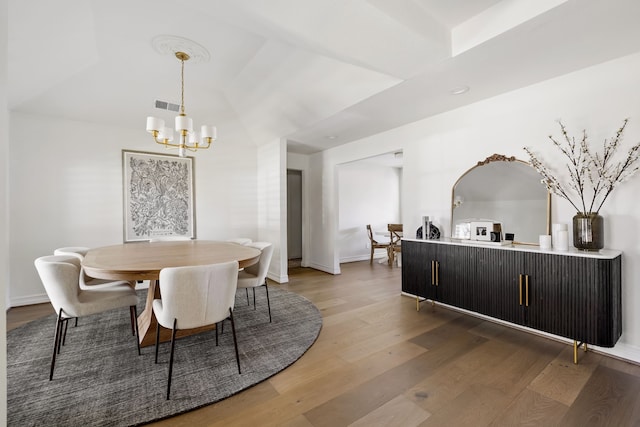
[[158, 196]]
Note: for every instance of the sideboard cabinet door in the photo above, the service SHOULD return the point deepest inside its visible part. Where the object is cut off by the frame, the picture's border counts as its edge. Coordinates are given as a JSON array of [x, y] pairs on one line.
[[554, 281], [457, 284], [598, 301], [417, 262], [500, 288]]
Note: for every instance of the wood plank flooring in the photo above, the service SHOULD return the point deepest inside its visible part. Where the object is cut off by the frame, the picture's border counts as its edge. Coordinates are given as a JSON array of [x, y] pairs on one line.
[[379, 362]]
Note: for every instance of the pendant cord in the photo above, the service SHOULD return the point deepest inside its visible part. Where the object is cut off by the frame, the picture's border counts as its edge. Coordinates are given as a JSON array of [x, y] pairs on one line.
[[182, 88]]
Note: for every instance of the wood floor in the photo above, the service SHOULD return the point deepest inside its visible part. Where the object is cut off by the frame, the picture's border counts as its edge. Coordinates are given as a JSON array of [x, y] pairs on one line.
[[379, 362]]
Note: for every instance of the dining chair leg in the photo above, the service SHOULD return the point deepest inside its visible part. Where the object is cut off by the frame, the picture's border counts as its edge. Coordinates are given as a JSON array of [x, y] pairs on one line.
[[131, 320], [266, 288], [65, 322], [217, 326], [133, 311], [254, 297], [173, 345], [371, 258], [247, 291], [76, 325], [56, 340], [157, 340], [235, 341]]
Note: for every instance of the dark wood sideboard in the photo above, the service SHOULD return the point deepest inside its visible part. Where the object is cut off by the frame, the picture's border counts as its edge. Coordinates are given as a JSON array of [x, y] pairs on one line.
[[576, 295]]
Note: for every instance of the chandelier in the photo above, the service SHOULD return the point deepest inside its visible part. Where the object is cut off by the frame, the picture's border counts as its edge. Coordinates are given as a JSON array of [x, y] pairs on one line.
[[188, 139]]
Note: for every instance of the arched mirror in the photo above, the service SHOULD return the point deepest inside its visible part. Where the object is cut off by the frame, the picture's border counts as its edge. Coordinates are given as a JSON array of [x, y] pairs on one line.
[[503, 190]]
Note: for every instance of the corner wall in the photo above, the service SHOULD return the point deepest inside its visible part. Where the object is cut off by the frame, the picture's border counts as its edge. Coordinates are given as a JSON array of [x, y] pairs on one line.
[[272, 205]]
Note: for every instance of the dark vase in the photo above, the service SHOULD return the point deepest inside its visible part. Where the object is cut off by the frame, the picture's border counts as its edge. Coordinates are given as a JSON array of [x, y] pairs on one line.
[[588, 231]]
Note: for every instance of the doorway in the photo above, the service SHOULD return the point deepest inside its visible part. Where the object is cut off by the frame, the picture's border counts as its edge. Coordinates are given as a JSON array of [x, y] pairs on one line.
[[294, 217]]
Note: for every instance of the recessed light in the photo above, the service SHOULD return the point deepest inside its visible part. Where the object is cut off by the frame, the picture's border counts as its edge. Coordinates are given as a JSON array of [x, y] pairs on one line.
[[331, 137], [459, 90]]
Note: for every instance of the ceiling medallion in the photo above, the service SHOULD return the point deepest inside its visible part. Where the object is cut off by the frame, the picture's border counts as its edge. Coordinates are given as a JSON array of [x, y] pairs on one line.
[[459, 90], [168, 45]]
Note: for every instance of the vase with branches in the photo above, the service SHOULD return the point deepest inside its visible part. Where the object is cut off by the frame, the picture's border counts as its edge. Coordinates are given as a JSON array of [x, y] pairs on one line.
[[593, 175]]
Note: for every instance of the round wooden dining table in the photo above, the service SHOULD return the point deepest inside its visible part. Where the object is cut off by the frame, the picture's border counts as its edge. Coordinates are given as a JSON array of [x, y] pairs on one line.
[[144, 260]]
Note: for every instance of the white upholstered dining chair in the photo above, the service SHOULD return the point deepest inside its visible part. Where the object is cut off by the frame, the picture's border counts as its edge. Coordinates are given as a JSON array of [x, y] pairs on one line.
[[240, 240], [170, 239], [194, 297], [256, 275], [85, 281], [60, 276]]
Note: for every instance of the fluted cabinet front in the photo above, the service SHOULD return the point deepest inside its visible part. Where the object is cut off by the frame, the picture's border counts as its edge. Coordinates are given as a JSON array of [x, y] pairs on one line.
[[573, 296]]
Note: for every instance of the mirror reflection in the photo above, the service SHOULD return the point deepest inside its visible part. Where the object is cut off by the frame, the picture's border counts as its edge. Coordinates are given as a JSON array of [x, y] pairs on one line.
[[503, 190]]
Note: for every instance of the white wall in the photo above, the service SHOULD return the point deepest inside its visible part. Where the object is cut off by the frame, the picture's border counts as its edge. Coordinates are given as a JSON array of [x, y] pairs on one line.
[[66, 189], [367, 194], [438, 150], [272, 205], [4, 209]]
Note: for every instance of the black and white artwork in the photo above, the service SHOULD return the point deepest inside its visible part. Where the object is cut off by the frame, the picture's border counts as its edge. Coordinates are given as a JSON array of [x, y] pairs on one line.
[[158, 196]]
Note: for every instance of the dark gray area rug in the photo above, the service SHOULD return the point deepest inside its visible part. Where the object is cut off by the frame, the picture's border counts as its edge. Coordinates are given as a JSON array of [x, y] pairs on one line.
[[101, 381]]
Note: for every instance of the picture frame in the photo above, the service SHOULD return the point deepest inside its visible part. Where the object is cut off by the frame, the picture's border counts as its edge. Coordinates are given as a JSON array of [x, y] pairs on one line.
[[158, 196]]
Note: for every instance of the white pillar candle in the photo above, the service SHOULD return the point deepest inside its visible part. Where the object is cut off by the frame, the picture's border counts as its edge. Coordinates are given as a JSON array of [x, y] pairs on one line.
[[560, 237], [545, 241], [559, 227], [561, 240]]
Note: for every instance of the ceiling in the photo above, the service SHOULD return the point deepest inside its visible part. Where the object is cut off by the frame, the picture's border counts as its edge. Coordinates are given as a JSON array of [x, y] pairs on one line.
[[318, 73]]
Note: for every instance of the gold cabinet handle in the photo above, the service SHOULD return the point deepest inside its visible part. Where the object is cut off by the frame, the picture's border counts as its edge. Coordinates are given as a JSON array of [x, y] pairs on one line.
[[437, 273], [520, 287], [433, 273], [526, 284]]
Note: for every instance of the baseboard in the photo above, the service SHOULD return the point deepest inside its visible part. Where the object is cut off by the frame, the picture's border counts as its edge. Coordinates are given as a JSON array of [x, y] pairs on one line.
[[283, 278], [622, 351], [29, 300], [356, 258], [324, 268]]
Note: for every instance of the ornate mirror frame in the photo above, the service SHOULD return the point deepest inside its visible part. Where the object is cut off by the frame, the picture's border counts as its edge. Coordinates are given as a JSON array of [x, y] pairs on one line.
[[494, 183]]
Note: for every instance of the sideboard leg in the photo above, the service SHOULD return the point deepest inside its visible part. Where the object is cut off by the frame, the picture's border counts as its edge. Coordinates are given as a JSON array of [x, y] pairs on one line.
[[576, 346], [417, 303]]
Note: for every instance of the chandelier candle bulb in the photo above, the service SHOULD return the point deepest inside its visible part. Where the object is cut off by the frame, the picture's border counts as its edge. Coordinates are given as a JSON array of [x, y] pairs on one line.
[[166, 133], [184, 123], [154, 124], [208, 132]]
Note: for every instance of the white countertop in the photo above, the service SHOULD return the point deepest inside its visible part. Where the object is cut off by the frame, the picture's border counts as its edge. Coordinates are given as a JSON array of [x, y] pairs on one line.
[[602, 253]]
